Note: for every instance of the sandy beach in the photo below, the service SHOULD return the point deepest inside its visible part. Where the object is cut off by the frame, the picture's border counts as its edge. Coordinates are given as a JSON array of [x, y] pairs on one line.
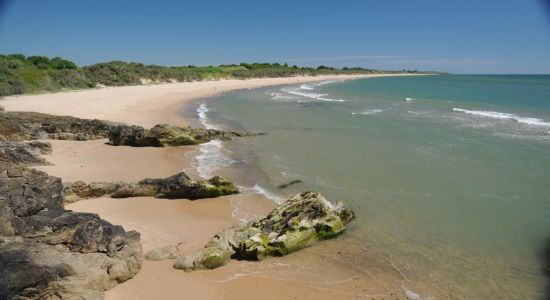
[[308, 274]]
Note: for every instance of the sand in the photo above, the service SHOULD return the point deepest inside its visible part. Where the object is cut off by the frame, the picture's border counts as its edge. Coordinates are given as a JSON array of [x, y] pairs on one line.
[[313, 273]]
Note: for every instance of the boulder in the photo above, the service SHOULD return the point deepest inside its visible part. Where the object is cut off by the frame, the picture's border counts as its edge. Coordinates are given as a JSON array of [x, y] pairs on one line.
[[297, 223], [164, 135], [167, 252], [208, 258], [181, 186]]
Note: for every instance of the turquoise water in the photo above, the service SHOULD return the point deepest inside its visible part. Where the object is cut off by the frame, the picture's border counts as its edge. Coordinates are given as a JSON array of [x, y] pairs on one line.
[[449, 175]]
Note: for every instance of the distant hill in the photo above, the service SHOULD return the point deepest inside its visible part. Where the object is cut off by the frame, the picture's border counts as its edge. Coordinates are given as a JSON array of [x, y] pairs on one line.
[[20, 74]]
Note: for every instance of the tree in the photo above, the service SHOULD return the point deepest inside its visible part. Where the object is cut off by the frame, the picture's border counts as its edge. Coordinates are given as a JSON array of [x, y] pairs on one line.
[[60, 64], [41, 62]]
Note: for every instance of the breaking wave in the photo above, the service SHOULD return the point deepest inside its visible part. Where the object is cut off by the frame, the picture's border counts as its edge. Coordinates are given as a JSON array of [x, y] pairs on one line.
[[368, 112], [506, 116]]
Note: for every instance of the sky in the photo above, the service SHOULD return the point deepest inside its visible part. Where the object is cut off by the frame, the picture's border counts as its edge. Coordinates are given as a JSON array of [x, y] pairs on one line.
[[457, 36]]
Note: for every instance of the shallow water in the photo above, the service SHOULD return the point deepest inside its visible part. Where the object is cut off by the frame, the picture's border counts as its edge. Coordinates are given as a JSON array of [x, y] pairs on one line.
[[449, 175]]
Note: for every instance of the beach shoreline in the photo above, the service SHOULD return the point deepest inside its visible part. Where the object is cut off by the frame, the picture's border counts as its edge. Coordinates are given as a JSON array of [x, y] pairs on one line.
[[165, 222]]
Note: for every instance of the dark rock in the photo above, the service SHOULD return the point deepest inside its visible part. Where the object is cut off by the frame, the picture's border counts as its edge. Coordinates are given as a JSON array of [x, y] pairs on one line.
[[293, 182], [49, 252], [165, 135], [27, 153], [179, 186], [33, 126], [295, 224]]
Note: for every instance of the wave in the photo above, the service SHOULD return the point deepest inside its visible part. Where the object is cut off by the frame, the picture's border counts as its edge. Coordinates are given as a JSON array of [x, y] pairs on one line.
[[306, 87], [211, 158], [257, 189], [203, 118], [368, 112], [504, 116], [409, 99], [283, 97], [315, 96]]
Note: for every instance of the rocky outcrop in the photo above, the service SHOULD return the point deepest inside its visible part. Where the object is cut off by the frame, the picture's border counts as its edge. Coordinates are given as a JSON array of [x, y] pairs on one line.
[[179, 186], [49, 252], [295, 224], [17, 126], [165, 135], [27, 153]]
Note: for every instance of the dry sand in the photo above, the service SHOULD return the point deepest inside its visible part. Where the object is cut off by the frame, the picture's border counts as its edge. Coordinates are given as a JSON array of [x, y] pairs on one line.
[[313, 273]]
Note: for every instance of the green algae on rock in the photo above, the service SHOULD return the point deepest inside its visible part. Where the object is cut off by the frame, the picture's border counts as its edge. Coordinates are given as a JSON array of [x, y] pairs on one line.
[[297, 223], [178, 186], [164, 135]]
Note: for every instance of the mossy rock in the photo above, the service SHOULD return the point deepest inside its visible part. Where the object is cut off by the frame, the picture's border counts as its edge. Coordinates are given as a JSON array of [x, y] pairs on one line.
[[297, 223]]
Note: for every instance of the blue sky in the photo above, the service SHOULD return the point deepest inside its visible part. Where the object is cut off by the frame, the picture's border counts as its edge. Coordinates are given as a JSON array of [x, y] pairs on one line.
[[459, 36]]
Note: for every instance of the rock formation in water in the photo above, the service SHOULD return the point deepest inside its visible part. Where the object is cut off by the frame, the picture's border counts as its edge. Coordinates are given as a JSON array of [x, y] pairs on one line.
[[178, 186], [165, 135], [297, 223]]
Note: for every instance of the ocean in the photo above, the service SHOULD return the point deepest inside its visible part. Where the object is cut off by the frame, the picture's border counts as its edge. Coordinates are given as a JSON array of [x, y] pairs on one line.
[[449, 175]]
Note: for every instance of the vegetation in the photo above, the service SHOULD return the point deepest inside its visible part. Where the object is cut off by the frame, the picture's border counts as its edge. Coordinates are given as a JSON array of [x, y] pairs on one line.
[[20, 74]]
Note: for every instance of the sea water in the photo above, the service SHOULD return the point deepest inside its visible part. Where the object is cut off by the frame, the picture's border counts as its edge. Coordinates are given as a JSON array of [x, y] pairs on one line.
[[448, 175]]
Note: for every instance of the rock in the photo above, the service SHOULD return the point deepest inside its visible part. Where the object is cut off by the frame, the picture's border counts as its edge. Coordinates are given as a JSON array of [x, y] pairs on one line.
[[32, 126], [49, 252], [165, 135], [28, 153], [168, 252], [134, 190], [179, 186], [295, 224], [74, 191], [208, 258]]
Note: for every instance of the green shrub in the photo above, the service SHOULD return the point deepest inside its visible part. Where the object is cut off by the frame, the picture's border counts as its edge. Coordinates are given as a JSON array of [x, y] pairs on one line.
[[20, 74]]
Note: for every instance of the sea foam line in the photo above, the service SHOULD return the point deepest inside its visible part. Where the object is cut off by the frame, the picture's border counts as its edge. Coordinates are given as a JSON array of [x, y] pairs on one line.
[[211, 157], [367, 112], [507, 116], [315, 96], [203, 118]]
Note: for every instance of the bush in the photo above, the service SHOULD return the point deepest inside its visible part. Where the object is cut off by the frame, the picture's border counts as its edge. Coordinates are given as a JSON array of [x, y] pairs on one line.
[[41, 62], [60, 64], [20, 74]]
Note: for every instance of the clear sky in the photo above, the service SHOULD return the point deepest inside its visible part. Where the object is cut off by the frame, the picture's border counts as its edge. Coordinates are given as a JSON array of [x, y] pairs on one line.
[[459, 36]]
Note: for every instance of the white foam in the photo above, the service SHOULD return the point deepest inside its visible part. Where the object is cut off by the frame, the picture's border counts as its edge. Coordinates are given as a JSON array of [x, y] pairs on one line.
[[410, 294], [203, 118], [306, 87], [283, 97], [507, 116], [212, 158], [262, 191], [368, 112], [315, 96], [409, 99]]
